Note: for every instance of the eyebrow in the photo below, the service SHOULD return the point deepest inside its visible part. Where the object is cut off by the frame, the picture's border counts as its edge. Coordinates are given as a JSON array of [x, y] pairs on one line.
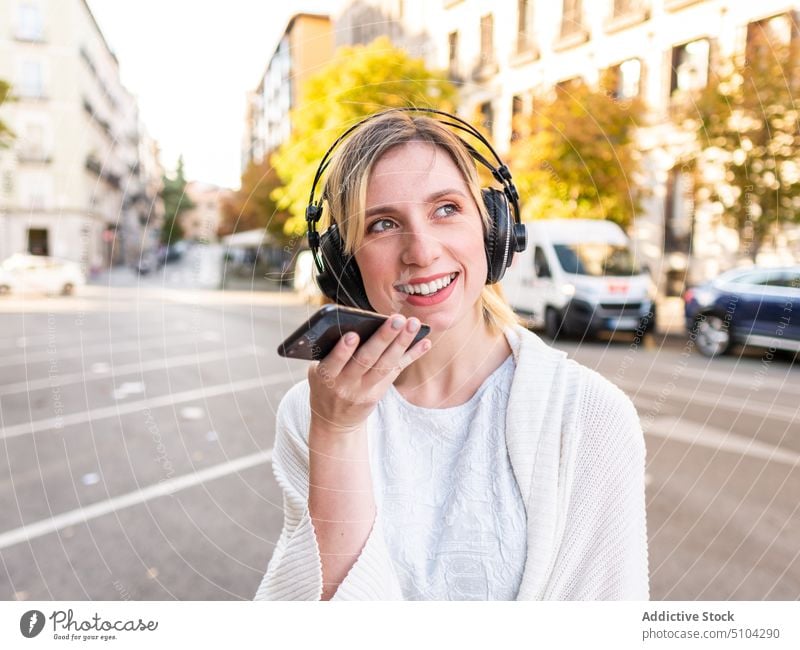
[[433, 197]]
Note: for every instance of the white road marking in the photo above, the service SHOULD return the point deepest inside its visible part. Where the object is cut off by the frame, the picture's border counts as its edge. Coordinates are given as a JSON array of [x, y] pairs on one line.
[[103, 370], [150, 403], [691, 433], [58, 352], [163, 488], [738, 404]]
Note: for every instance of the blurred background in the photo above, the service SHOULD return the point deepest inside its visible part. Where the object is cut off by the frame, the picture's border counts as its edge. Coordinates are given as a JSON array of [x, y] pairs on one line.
[[155, 166]]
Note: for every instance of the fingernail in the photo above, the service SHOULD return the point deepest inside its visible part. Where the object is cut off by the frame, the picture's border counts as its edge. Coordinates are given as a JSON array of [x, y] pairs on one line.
[[397, 322], [350, 338], [413, 325], [426, 345]]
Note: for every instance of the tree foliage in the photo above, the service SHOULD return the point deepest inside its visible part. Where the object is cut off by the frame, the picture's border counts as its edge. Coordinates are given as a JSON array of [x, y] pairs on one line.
[[176, 202], [358, 81], [747, 141], [252, 205], [575, 156], [6, 134]]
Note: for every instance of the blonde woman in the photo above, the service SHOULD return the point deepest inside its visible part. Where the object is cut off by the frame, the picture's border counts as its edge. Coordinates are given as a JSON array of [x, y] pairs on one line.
[[480, 464]]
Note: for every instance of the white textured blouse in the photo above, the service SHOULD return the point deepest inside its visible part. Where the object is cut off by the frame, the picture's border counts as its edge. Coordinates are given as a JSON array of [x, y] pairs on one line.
[[577, 452], [453, 515]]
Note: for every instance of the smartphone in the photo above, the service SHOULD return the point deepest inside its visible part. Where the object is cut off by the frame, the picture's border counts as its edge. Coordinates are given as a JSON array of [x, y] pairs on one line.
[[315, 338]]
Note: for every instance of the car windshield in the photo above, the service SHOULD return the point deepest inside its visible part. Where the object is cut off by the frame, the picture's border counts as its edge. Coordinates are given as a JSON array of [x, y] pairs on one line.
[[596, 259]]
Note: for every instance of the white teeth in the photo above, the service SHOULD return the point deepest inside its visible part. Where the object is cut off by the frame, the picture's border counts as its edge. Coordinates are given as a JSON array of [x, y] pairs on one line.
[[427, 288]]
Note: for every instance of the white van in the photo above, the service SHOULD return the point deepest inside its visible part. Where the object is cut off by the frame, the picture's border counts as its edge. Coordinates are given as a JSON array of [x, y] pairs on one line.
[[579, 277]]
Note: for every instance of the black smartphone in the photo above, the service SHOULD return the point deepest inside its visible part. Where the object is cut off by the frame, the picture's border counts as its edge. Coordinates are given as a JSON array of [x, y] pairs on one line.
[[315, 338]]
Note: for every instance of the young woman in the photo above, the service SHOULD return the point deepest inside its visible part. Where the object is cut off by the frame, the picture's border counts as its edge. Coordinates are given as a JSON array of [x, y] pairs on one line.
[[480, 464]]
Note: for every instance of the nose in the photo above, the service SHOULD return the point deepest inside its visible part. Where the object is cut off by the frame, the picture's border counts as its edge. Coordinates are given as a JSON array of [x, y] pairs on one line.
[[420, 248]]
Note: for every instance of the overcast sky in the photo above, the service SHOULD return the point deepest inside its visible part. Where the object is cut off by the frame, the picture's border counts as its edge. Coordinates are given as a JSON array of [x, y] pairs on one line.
[[190, 65]]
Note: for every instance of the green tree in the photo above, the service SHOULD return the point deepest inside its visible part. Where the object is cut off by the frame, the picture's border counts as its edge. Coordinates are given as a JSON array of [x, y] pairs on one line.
[[747, 141], [358, 81], [176, 202], [252, 206], [576, 156], [6, 134]]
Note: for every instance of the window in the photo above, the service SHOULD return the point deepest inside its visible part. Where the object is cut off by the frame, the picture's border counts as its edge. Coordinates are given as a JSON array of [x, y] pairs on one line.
[[487, 115], [487, 39], [628, 7], [29, 23], [764, 35], [689, 66], [624, 80], [31, 83], [540, 266], [525, 41], [516, 116], [452, 52], [37, 241], [572, 17], [678, 212]]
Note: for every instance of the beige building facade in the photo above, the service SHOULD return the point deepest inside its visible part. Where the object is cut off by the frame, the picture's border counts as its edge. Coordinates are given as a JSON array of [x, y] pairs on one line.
[[201, 223], [502, 54], [304, 48], [81, 179]]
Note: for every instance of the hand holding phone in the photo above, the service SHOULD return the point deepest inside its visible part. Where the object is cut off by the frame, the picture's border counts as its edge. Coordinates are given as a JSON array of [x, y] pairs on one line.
[[315, 338], [354, 376]]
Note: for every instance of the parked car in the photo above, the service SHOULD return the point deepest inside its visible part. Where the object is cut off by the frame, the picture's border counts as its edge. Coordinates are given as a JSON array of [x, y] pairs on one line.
[[579, 276], [303, 278], [752, 306], [22, 272]]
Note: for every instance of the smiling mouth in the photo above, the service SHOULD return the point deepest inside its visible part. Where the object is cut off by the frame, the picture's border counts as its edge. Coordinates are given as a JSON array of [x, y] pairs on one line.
[[427, 288]]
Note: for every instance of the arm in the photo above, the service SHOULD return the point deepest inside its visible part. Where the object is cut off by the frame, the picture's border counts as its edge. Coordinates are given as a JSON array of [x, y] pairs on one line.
[[340, 500], [331, 528]]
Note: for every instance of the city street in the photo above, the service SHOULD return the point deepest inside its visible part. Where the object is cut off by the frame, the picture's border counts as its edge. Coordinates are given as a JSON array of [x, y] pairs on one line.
[[138, 421]]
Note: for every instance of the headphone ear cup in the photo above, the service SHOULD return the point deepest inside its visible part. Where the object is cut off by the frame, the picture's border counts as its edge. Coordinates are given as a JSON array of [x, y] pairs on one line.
[[341, 279], [496, 237]]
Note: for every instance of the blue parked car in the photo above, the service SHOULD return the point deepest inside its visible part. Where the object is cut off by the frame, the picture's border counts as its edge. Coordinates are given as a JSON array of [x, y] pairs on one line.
[[752, 306]]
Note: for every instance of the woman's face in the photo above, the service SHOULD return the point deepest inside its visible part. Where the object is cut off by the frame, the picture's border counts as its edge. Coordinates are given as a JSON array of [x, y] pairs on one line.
[[422, 229]]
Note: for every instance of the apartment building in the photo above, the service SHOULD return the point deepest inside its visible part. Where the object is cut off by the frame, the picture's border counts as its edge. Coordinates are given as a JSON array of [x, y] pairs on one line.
[[503, 54], [201, 223], [305, 46], [81, 180]]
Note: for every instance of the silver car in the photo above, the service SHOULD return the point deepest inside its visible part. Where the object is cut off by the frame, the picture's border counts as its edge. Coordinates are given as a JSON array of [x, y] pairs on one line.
[[38, 273]]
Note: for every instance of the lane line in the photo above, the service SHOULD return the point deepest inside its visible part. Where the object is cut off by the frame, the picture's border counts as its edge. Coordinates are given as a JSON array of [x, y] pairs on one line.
[[137, 497], [676, 429], [59, 353], [697, 398], [126, 369], [133, 407]]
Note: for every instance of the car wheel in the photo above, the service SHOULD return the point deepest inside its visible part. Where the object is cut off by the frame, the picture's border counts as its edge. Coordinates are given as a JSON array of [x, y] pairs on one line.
[[552, 323], [712, 335], [67, 289]]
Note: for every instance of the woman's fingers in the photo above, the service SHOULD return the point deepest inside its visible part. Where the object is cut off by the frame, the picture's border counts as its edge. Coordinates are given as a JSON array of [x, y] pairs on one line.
[[368, 354], [337, 358], [393, 357]]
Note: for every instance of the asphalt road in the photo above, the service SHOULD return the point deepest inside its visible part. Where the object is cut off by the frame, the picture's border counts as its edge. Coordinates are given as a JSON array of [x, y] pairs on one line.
[[137, 424]]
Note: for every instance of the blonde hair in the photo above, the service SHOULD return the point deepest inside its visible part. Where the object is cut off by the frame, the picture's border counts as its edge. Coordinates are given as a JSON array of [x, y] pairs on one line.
[[345, 191]]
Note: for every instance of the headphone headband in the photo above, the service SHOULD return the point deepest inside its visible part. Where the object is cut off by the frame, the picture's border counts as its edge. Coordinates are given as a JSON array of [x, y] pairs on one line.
[[501, 173]]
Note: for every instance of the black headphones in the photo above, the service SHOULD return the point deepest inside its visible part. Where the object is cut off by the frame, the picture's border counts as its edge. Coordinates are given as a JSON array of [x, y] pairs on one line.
[[338, 275]]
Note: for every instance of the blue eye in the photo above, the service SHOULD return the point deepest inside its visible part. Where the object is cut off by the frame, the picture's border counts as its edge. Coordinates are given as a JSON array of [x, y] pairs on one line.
[[449, 209], [378, 225]]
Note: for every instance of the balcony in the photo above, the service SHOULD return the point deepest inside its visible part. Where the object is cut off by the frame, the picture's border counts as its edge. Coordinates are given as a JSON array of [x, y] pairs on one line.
[[33, 154]]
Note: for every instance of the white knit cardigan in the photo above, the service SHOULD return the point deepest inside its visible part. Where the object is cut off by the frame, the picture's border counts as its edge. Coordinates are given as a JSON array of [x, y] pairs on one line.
[[577, 451]]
